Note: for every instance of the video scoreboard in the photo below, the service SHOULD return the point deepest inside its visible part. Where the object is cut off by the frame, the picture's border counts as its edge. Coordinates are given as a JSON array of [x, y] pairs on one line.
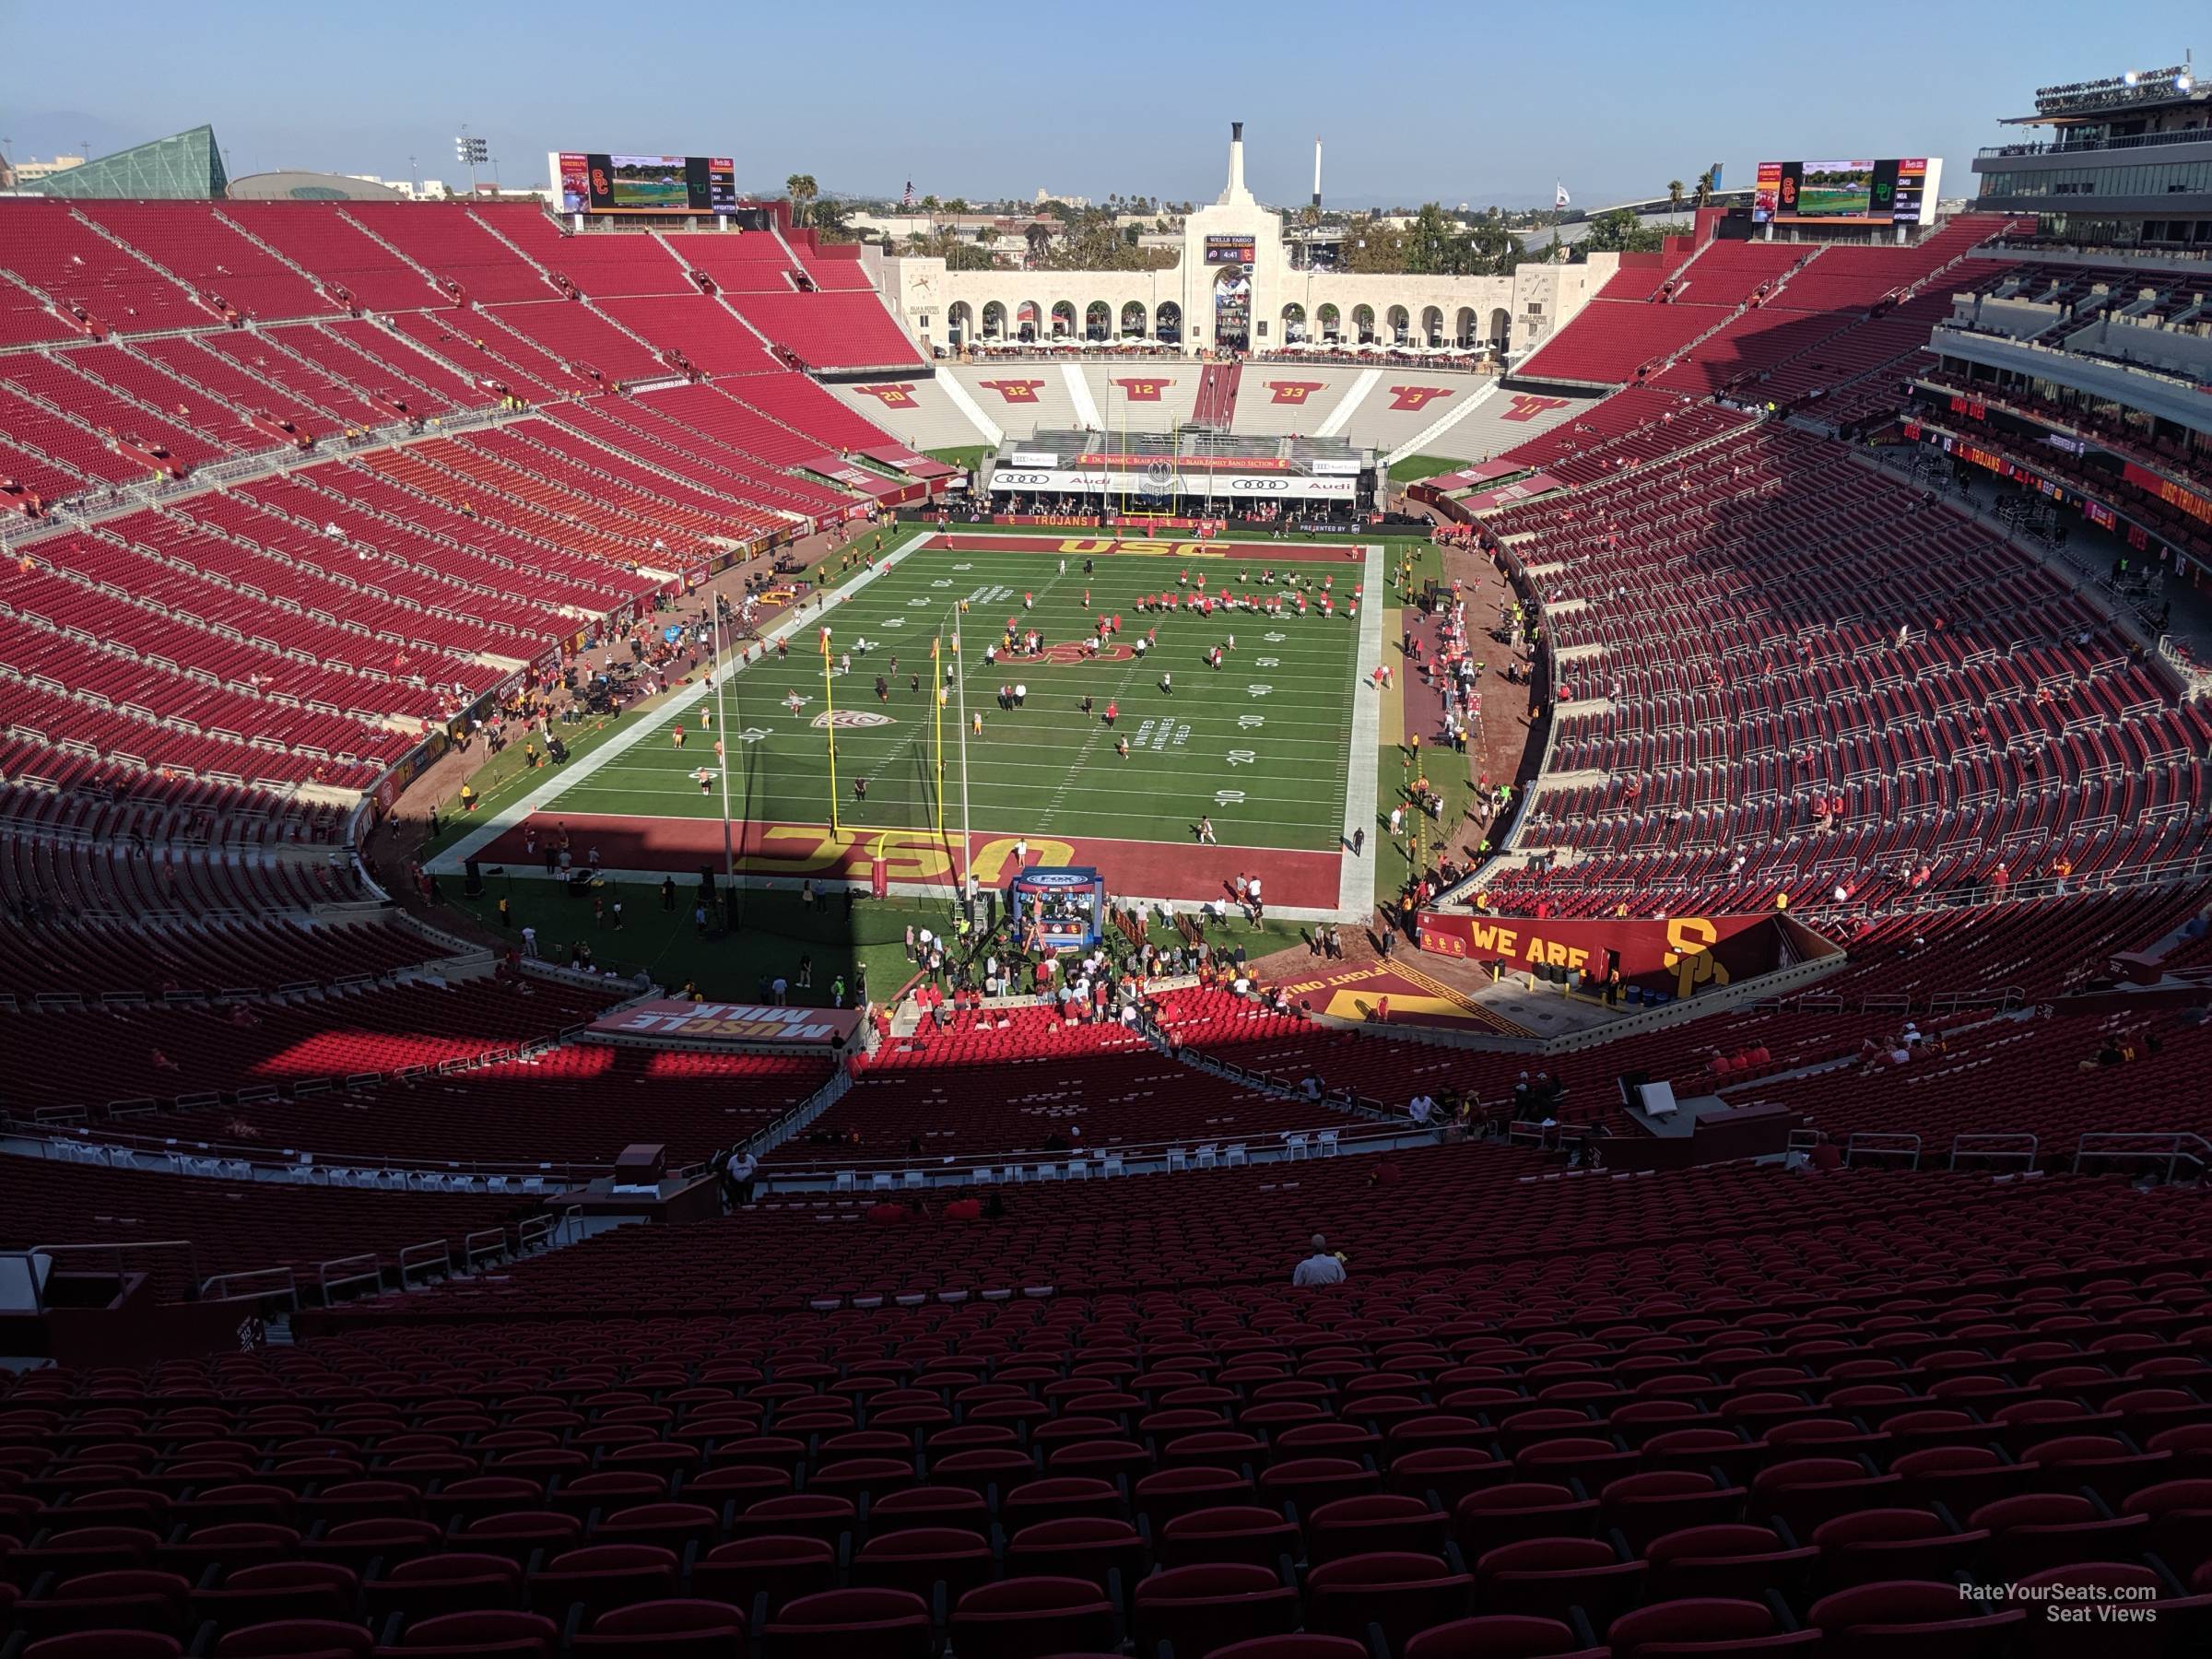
[[593, 182], [1896, 191]]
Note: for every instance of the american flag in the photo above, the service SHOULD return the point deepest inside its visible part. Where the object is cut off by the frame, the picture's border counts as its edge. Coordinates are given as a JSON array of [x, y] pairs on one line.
[[908, 199]]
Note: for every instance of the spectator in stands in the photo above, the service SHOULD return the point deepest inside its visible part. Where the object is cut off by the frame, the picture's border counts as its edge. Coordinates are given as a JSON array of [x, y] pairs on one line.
[[737, 1173], [1320, 1268]]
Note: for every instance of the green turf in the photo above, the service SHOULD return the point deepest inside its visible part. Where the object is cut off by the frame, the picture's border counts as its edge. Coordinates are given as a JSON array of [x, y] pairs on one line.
[[966, 457], [775, 929], [1415, 467], [1268, 766]]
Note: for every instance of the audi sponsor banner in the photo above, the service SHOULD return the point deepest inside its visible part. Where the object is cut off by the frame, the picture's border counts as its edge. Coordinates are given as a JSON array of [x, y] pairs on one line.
[[1337, 466], [1034, 458], [1008, 479]]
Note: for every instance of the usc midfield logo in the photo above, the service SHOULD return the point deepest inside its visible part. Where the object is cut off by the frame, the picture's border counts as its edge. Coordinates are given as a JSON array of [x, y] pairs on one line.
[[891, 397], [1014, 392], [1294, 392], [1526, 406], [1417, 397]]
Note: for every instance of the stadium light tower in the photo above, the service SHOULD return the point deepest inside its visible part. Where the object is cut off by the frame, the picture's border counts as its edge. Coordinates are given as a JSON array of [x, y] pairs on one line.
[[472, 153]]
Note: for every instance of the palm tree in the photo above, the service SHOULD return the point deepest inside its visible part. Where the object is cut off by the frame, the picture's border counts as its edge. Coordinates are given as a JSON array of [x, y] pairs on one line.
[[802, 190], [1674, 193], [1705, 188]]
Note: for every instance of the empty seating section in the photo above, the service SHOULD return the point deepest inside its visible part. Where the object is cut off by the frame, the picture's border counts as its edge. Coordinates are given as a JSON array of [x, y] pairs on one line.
[[77, 268], [576, 1104], [830, 330], [1787, 323], [1712, 1408], [378, 1034], [233, 1226], [1641, 276], [1731, 274], [1636, 425], [154, 388], [388, 387], [741, 262], [808, 408], [32, 653], [1609, 340], [77, 584], [195, 242], [268, 356], [452, 244], [92, 437], [76, 952], [26, 317], [712, 338], [1748, 345], [1813, 680], [835, 266], [458, 338], [1021, 1083], [337, 251], [423, 661], [235, 377], [483, 485], [598, 265], [582, 338], [639, 426], [390, 355]]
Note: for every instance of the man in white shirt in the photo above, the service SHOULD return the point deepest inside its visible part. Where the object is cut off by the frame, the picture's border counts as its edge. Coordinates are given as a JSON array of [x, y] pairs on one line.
[[1320, 1268], [1420, 1108]]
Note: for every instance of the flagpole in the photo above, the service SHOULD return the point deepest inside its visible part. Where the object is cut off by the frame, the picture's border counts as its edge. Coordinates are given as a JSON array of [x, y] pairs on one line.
[[830, 731]]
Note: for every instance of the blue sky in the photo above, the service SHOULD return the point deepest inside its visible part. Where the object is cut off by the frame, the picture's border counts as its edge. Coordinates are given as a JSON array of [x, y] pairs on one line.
[[1417, 100]]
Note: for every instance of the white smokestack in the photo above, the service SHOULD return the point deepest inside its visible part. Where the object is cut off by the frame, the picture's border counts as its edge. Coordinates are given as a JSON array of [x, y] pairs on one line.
[[1317, 170]]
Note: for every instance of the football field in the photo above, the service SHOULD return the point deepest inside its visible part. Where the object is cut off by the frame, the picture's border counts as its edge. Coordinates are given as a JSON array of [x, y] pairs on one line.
[[830, 772]]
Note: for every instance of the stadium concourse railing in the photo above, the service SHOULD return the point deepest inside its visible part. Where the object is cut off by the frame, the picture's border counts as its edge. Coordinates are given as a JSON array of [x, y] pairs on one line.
[[2180, 1153], [230, 1160], [1012, 1167]]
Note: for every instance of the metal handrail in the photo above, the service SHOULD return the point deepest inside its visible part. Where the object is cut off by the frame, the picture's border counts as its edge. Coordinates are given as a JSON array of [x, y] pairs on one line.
[[1883, 1143], [2086, 147], [2173, 1145], [301, 1166], [374, 1272], [222, 1287], [117, 1247], [418, 1258]]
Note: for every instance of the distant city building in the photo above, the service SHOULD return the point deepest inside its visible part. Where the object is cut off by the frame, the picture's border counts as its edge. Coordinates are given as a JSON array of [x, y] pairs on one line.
[[31, 170]]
